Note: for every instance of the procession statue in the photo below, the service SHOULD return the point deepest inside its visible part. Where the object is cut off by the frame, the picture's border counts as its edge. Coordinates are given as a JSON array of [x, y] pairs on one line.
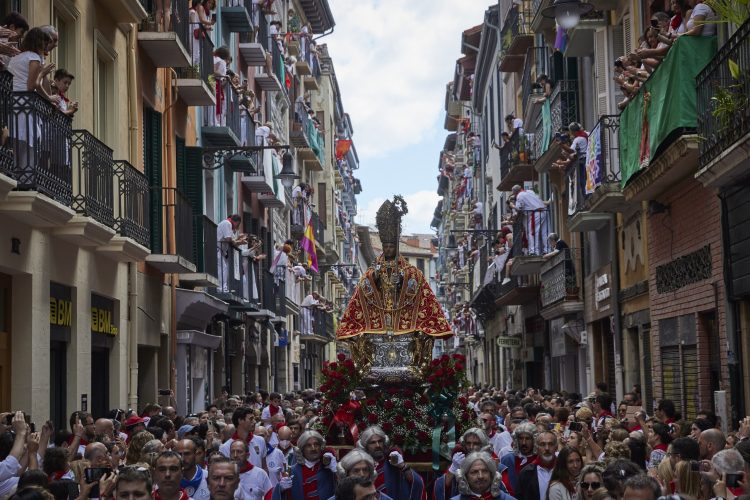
[[393, 316]]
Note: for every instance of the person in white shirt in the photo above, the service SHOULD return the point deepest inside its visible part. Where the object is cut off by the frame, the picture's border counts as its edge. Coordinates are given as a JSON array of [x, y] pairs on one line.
[[223, 479], [262, 134], [254, 482], [308, 304], [243, 419], [514, 124], [226, 236], [194, 480], [281, 458], [533, 210]]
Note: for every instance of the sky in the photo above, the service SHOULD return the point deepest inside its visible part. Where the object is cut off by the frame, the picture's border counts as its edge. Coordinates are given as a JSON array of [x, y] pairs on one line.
[[393, 59]]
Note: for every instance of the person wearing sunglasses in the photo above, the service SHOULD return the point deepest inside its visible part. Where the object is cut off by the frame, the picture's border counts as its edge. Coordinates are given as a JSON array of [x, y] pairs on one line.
[[591, 480]]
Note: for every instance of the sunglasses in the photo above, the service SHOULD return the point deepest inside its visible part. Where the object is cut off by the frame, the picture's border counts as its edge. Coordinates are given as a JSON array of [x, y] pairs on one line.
[[593, 486]]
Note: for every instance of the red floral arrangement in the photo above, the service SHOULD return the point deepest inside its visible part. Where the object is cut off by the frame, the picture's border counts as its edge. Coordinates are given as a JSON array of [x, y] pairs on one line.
[[339, 379], [447, 373]]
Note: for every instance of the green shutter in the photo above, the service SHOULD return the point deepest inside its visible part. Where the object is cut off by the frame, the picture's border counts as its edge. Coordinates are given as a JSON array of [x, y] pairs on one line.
[[152, 160], [180, 166], [193, 189]]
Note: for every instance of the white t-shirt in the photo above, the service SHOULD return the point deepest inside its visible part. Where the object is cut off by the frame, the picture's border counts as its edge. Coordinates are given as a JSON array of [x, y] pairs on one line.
[[262, 132], [580, 144], [528, 200], [18, 66], [256, 451], [254, 484], [275, 462], [224, 230], [200, 493], [309, 301], [701, 9], [299, 271], [220, 66]]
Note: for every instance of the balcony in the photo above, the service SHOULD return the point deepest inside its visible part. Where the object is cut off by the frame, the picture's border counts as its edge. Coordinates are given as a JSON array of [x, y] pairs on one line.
[[519, 291], [274, 296], [192, 82], [311, 80], [304, 63], [205, 254], [516, 163], [563, 111], [318, 229], [652, 165], [40, 140], [597, 192], [276, 196], [293, 293], [308, 141], [516, 36], [127, 11], [257, 181], [538, 62], [172, 241], [168, 49], [724, 114], [531, 227], [223, 129], [539, 23], [561, 291], [93, 192], [132, 212], [238, 15]]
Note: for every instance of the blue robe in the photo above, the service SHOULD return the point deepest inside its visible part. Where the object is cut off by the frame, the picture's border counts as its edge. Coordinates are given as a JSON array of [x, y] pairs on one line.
[[396, 485], [326, 485], [503, 496], [438, 490]]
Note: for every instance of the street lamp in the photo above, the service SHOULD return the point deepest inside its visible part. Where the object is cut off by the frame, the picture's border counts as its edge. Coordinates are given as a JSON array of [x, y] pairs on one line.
[[567, 13], [287, 175]]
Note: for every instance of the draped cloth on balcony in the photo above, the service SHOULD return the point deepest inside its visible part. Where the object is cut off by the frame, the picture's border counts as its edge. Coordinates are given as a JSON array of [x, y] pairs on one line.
[[416, 310], [670, 104]]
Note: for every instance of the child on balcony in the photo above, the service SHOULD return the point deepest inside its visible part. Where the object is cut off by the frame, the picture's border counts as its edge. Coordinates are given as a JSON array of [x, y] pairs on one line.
[[60, 85]]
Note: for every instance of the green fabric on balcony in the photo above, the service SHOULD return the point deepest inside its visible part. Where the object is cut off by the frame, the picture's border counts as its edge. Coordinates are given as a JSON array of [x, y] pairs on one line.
[[672, 104], [546, 125]]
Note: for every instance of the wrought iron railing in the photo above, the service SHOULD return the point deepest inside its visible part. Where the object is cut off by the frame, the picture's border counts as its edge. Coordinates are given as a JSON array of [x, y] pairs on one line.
[[229, 270], [517, 22], [723, 99], [93, 178], [315, 139], [177, 214], [531, 229], [274, 296], [516, 151], [41, 138], [201, 50], [318, 228], [536, 64], [204, 245], [564, 104], [559, 278], [264, 38], [277, 64], [132, 207], [178, 21], [6, 105]]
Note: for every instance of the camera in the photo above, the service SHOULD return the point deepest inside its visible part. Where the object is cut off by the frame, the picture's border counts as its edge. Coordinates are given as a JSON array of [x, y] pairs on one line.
[[94, 474], [576, 426], [733, 480]]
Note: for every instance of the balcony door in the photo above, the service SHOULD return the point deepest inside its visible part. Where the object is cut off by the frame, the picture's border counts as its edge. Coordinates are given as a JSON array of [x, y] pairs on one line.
[[5, 322]]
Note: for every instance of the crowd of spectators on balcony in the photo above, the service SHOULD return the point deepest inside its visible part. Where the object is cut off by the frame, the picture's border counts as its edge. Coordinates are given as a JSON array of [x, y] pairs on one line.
[[301, 201], [633, 69], [312, 303]]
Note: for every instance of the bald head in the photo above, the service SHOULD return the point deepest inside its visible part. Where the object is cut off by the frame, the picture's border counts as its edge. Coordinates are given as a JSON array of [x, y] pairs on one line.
[[97, 455], [169, 412], [105, 427], [285, 433], [711, 441]]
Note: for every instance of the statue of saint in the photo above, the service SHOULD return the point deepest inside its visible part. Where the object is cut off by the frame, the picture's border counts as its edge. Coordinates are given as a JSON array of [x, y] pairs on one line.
[[393, 315]]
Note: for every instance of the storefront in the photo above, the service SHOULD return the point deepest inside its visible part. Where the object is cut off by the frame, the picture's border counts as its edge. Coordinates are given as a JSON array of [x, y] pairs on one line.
[[104, 330], [60, 323]]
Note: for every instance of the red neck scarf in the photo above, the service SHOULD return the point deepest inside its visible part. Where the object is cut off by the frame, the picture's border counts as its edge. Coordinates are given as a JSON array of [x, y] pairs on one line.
[[183, 495], [661, 446], [582, 133], [57, 475], [247, 467], [675, 22], [538, 462], [236, 437], [273, 409]]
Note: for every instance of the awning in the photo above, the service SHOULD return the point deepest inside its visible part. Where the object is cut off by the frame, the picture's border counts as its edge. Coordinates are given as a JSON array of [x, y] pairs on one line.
[[198, 338], [195, 309]]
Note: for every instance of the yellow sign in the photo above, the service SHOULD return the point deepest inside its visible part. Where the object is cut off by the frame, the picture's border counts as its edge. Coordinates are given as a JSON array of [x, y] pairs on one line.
[[101, 321], [60, 312]]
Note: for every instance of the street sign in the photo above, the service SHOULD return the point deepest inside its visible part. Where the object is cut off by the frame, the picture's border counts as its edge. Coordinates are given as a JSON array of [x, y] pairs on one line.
[[508, 342]]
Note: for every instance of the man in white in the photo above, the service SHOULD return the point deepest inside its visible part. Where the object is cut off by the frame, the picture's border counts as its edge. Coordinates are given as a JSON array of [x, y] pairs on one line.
[[308, 304], [254, 482], [243, 419], [278, 459], [262, 134], [534, 213], [226, 237], [194, 479]]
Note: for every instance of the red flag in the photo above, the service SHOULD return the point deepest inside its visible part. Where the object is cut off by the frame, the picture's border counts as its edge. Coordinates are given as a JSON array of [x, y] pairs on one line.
[[342, 147]]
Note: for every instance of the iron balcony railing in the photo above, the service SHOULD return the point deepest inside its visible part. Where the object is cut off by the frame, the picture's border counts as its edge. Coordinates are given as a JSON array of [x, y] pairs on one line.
[[177, 214], [229, 270], [93, 178], [724, 98], [585, 175], [277, 63], [516, 151], [537, 63], [274, 296], [318, 228], [179, 19], [41, 139], [204, 245], [227, 111], [132, 207], [517, 22], [6, 105], [559, 279], [563, 111]]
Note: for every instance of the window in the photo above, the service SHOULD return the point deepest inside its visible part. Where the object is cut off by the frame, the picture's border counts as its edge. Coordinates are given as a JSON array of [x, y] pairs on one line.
[[105, 90], [420, 265], [64, 19]]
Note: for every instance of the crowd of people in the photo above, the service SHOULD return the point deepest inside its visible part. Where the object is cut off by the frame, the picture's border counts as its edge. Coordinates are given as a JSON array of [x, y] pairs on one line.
[[526, 444]]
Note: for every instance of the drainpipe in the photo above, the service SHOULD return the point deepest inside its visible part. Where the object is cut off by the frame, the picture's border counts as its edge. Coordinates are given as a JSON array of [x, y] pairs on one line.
[[132, 266], [615, 293]]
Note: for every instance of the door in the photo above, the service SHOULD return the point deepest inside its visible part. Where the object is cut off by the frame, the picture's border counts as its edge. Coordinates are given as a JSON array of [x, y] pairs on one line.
[[5, 322], [99, 381], [58, 384]]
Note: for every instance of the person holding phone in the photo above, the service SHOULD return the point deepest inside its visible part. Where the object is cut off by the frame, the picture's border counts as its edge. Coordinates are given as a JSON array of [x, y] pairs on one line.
[[729, 467]]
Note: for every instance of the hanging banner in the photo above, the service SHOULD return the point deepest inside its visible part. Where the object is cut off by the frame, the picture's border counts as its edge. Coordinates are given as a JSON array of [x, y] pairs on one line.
[[594, 160], [342, 148]]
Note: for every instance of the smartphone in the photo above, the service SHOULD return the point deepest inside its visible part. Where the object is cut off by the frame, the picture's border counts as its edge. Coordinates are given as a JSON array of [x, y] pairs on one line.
[[94, 474], [8, 419], [654, 23], [575, 426], [551, 427], [733, 480], [695, 466]]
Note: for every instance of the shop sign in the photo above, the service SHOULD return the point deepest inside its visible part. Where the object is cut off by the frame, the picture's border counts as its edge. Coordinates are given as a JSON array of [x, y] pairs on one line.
[[103, 315], [603, 293], [508, 342], [60, 307]]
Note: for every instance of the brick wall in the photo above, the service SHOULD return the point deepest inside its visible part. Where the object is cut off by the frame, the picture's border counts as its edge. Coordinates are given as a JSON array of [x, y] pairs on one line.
[[692, 221]]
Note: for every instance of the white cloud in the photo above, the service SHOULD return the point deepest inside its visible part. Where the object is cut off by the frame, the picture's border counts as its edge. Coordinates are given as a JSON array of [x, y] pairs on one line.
[[393, 59], [421, 206]]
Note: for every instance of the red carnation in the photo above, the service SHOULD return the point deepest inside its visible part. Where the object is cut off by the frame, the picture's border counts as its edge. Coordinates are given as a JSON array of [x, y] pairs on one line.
[[388, 404], [349, 364], [372, 418], [370, 402], [333, 365], [387, 427], [409, 404], [398, 419], [408, 392], [361, 426], [341, 356], [422, 436], [392, 390], [435, 362], [465, 415], [463, 401], [399, 439], [411, 425], [459, 367]]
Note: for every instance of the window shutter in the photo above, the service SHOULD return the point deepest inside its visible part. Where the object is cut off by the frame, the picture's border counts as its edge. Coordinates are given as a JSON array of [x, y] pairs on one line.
[[627, 32], [152, 161], [601, 71], [618, 50], [193, 190]]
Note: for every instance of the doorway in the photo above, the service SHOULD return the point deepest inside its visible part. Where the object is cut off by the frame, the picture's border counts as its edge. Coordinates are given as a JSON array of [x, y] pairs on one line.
[[99, 381], [5, 346]]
